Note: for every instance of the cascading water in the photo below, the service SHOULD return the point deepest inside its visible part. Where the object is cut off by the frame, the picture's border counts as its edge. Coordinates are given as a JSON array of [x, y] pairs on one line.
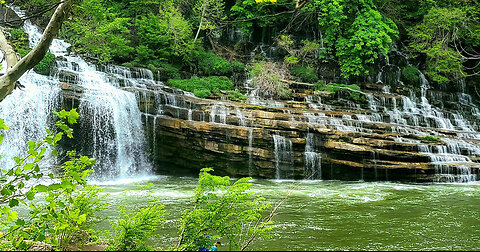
[[111, 115], [283, 151], [313, 159], [27, 112]]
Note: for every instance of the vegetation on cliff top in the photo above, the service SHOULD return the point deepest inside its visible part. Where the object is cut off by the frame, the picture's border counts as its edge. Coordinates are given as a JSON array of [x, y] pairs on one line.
[[181, 39]]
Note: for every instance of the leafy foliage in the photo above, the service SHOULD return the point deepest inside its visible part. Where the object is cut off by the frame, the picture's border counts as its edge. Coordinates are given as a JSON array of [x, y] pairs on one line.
[[440, 27], [355, 32], [305, 74], [69, 204], [97, 31], [261, 13], [223, 210], [203, 87], [135, 228], [19, 40], [211, 64], [410, 75]]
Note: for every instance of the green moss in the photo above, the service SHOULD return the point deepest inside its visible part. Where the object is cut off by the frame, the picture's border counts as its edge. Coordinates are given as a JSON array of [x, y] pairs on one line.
[[305, 74], [410, 75], [429, 139], [203, 87]]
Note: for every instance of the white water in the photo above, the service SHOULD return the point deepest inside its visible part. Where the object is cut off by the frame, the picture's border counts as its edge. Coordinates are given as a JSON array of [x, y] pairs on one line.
[[283, 151], [116, 137], [313, 159]]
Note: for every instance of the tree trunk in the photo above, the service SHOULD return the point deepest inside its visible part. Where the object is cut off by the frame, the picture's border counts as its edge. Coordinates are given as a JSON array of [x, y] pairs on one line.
[[15, 68]]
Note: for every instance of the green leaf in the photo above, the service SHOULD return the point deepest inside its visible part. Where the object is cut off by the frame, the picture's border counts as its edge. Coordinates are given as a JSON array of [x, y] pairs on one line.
[[41, 188], [6, 192], [20, 222], [13, 203], [12, 216], [58, 137], [28, 166]]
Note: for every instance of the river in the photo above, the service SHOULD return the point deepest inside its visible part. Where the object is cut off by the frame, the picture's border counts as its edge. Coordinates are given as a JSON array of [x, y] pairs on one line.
[[335, 215]]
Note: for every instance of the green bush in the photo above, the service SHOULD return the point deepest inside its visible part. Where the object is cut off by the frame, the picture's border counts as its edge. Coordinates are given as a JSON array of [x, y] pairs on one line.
[[135, 229], [203, 87], [18, 38], [234, 95], [319, 85], [334, 88], [237, 66], [410, 75], [211, 64], [202, 93], [44, 66], [305, 74], [167, 70]]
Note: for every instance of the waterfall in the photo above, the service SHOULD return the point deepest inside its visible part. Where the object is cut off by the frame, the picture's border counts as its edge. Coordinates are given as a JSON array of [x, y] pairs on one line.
[[250, 152], [283, 151], [219, 113], [110, 120], [313, 159], [27, 112]]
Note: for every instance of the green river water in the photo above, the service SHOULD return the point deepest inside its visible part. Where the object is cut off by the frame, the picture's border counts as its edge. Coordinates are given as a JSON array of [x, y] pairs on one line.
[[336, 215]]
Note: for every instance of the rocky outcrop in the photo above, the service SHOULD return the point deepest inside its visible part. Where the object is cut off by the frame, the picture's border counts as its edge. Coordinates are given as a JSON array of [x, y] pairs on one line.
[[389, 137]]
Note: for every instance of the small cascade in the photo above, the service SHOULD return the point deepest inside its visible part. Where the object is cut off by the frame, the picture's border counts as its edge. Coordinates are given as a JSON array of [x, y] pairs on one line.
[[250, 151], [219, 113], [283, 157], [313, 159]]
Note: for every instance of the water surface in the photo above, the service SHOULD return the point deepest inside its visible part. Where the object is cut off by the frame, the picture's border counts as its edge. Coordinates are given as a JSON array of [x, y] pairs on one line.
[[335, 215]]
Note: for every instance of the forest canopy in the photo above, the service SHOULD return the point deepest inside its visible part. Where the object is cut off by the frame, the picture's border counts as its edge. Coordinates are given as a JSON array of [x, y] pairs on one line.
[[441, 38]]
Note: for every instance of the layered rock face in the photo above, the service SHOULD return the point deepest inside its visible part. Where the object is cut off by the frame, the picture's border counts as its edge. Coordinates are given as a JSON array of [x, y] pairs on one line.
[[315, 136]]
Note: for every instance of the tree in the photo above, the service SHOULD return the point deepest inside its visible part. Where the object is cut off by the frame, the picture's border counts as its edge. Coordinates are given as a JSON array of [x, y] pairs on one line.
[[16, 68], [355, 32], [448, 37]]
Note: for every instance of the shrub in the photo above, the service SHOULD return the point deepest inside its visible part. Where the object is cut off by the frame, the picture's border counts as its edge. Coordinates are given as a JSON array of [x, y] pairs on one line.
[[168, 71], [267, 78], [335, 88], [319, 85], [410, 75], [135, 229], [44, 66], [69, 205], [202, 93], [203, 87], [223, 209], [234, 95], [18, 38], [211, 64], [305, 74]]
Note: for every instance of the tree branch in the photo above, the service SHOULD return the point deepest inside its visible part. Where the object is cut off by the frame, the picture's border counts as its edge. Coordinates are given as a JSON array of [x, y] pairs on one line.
[[15, 69]]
